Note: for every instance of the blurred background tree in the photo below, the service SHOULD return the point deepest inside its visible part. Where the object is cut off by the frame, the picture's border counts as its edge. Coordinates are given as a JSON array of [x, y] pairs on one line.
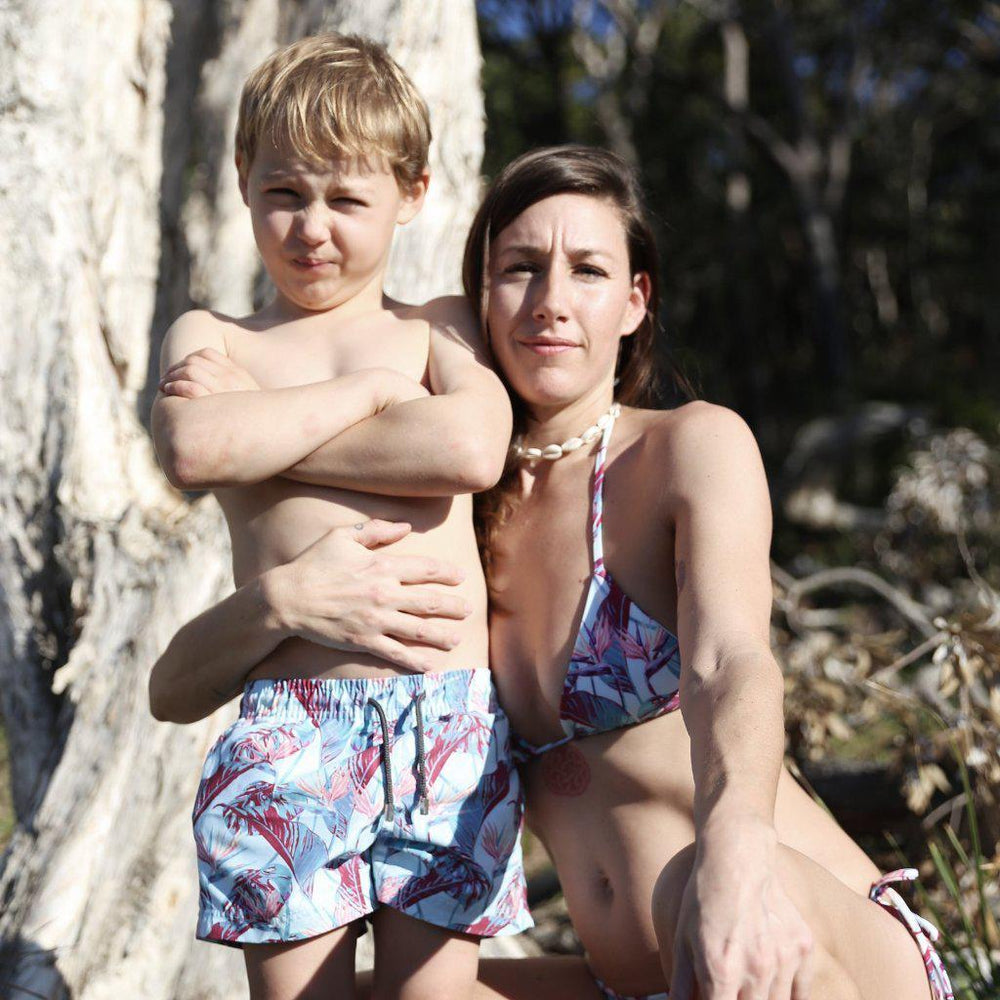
[[824, 177]]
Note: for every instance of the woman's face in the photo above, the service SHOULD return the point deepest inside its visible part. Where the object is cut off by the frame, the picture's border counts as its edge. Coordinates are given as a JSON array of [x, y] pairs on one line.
[[561, 297]]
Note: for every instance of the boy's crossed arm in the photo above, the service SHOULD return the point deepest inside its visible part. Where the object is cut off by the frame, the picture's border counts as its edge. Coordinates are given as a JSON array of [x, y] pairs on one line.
[[209, 436], [453, 441], [411, 444]]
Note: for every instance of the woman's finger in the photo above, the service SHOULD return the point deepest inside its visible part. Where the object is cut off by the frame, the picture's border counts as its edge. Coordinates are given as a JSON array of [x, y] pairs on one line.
[[428, 633], [803, 981], [781, 985], [396, 653], [420, 569], [432, 603], [375, 533]]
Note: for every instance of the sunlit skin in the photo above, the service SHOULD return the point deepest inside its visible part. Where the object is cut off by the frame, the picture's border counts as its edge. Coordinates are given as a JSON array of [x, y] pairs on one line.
[[324, 230], [561, 296]]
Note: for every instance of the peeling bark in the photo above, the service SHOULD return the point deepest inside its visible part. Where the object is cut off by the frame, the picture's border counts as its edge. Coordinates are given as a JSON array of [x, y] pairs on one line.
[[119, 208]]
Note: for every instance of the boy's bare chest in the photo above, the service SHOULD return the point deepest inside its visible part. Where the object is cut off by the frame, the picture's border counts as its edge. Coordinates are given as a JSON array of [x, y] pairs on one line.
[[279, 358]]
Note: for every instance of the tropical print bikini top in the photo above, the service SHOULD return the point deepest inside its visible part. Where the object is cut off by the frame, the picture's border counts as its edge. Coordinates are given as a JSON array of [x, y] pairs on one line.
[[625, 667]]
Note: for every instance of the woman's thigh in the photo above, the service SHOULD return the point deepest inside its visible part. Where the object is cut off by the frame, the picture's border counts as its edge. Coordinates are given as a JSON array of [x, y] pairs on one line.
[[870, 945]]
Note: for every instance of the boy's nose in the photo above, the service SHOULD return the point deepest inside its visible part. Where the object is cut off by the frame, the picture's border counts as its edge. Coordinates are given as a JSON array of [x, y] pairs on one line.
[[313, 227]]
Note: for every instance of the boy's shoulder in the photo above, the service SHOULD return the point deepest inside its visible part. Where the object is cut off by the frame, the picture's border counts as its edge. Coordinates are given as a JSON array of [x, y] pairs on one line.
[[194, 330], [198, 329]]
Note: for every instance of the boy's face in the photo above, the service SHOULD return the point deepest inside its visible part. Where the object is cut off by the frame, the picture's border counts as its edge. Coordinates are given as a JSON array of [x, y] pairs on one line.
[[324, 231]]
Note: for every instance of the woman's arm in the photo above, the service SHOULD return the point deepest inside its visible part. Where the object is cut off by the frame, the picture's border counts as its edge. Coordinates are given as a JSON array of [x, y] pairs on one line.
[[735, 919], [731, 686], [344, 591]]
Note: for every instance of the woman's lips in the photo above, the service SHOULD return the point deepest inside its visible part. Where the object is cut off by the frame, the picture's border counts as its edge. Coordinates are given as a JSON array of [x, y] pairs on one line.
[[548, 346]]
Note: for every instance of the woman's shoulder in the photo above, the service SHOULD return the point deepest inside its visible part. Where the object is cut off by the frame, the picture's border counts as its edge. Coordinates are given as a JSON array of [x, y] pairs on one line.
[[692, 428], [697, 448]]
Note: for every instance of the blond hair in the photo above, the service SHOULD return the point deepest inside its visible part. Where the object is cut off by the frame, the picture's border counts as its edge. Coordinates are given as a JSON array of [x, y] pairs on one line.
[[334, 96]]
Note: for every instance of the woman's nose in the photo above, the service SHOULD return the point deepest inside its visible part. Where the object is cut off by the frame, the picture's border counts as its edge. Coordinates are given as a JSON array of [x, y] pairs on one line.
[[550, 300]]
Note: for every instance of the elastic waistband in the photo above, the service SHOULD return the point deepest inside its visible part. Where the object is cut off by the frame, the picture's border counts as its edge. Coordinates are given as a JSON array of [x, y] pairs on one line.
[[322, 698]]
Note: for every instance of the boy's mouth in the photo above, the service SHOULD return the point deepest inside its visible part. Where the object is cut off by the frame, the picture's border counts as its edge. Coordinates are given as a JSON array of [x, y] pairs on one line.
[[311, 264]]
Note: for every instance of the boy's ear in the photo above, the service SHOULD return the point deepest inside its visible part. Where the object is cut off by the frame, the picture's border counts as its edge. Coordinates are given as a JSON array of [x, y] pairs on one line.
[[413, 197], [242, 175]]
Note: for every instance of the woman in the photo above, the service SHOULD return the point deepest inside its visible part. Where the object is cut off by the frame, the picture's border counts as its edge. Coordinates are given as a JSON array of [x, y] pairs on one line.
[[622, 544]]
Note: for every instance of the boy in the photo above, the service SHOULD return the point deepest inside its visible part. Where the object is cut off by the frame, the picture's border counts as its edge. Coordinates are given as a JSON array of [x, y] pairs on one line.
[[348, 786]]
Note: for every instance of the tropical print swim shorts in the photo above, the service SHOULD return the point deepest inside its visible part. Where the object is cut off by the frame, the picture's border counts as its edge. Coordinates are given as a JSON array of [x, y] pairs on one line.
[[329, 798]]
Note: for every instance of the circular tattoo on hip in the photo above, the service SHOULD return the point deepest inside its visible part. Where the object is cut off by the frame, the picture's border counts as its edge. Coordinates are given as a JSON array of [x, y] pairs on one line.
[[565, 771]]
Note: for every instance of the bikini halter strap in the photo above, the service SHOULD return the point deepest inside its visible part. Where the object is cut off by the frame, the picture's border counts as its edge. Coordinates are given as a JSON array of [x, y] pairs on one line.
[[597, 502]]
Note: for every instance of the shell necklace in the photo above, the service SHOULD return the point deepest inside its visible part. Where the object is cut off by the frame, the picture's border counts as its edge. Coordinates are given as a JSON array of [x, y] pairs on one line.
[[552, 452]]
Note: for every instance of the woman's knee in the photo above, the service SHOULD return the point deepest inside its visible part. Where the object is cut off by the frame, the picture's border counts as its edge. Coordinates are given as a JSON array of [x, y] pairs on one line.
[[668, 891]]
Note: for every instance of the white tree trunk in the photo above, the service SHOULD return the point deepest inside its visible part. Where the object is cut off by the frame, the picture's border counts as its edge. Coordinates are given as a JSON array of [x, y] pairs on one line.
[[118, 208]]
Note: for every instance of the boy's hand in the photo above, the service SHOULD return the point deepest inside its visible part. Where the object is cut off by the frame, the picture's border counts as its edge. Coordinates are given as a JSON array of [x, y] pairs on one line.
[[343, 593], [203, 373], [392, 387], [209, 371]]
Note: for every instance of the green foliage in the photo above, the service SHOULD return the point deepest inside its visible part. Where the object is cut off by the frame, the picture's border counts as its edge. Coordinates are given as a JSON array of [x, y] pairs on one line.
[[906, 306]]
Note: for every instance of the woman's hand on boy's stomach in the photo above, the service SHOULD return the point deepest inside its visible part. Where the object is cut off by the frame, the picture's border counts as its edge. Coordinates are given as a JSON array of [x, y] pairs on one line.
[[348, 591]]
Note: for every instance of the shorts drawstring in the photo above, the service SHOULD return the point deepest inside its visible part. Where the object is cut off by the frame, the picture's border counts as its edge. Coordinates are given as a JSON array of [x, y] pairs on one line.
[[421, 760], [386, 754]]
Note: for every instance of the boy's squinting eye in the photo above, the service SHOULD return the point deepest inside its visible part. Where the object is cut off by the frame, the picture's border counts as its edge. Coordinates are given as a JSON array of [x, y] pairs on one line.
[[281, 192]]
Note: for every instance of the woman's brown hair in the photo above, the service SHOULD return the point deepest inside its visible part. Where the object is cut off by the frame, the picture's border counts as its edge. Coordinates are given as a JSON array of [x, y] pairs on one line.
[[530, 178]]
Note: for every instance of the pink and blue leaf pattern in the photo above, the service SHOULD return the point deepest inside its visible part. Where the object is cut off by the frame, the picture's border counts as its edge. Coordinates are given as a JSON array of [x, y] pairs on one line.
[[290, 821], [625, 666]]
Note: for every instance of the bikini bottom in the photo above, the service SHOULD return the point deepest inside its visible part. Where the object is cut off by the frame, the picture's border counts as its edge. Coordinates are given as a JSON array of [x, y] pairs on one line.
[[922, 931]]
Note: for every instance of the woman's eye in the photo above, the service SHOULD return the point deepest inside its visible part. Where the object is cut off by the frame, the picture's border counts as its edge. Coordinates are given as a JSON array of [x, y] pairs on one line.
[[589, 271], [521, 267]]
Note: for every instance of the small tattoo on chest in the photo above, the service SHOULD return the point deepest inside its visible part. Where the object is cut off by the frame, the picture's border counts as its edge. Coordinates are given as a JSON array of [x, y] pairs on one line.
[[565, 771], [682, 572]]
